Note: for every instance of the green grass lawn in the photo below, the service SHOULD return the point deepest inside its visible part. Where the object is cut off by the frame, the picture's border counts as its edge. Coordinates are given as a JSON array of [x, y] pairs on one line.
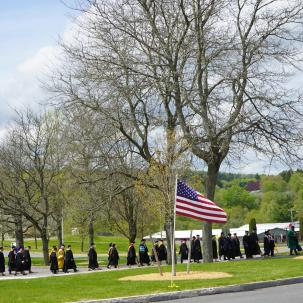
[[106, 284]]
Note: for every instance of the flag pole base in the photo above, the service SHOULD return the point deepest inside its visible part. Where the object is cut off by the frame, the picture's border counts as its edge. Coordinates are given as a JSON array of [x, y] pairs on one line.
[[173, 285]]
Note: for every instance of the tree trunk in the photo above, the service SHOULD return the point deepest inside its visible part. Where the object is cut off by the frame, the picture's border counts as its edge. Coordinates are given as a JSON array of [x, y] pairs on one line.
[[2, 238], [59, 233], [132, 230], [19, 231], [91, 232], [210, 187], [169, 229], [36, 242], [44, 239]]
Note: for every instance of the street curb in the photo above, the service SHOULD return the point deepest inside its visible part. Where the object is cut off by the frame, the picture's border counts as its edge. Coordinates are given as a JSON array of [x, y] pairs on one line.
[[199, 292]]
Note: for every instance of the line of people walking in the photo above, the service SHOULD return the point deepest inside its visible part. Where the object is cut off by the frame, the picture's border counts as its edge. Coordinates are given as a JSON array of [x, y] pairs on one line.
[[19, 261]]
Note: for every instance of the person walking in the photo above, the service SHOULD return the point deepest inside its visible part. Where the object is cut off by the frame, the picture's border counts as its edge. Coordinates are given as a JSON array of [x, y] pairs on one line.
[[53, 260], [183, 251], [162, 253], [114, 256], [236, 245], [2, 262], [143, 253], [11, 260], [292, 241], [154, 251], [247, 245], [131, 255], [27, 260], [214, 247], [61, 256], [271, 243], [197, 249], [110, 247], [69, 261], [221, 242], [92, 258], [20, 262]]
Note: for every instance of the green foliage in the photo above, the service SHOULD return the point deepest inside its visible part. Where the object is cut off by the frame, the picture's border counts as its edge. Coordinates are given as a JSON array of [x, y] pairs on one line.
[[273, 183], [236, 196]]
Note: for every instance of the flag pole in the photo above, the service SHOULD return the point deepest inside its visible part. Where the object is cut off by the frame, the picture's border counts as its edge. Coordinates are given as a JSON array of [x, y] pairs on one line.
[[173, 265]]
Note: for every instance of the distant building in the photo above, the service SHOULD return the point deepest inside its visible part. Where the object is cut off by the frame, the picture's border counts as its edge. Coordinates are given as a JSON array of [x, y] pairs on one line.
[[253, 186]]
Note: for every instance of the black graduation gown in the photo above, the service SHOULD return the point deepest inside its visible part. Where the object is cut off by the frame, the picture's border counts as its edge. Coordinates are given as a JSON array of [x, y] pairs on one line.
[[221, 242], [27, 260], [131, 256], [92, 259], [236, 245], [11, 260], [197, 250], [255, 248], [19, 262], [246, 245], [266, 245], [192, 249], [215, 250], [143, 254], [271, 245], [229, 248], [155, 249], [2, 262], [53, 262], [114, 257], [162, 253], [69, 262], [183, 252]]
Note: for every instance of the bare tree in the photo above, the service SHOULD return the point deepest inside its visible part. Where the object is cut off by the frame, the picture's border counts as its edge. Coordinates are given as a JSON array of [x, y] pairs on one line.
[[216, 68], [29, 163]]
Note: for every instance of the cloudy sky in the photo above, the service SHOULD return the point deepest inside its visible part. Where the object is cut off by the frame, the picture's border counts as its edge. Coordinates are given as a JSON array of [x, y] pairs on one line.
[[29, 32]]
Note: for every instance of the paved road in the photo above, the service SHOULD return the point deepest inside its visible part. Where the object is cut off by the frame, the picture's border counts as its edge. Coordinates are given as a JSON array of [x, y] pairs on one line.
[[280, 294]]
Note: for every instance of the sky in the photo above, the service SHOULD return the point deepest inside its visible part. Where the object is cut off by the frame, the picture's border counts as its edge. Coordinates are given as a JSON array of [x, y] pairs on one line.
[[29, 34]]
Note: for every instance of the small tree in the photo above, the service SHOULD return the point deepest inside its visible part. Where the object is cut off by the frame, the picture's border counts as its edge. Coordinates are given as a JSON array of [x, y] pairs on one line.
[[252, 225]]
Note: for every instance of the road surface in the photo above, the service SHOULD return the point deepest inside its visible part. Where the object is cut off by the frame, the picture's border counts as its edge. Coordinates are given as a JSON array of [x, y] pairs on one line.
[[280, 294]]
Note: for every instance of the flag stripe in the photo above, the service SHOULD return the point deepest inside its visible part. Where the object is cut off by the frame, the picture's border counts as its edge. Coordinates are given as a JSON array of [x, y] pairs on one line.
[[194, 216], [190, 203], [197, 203], [200, 210]]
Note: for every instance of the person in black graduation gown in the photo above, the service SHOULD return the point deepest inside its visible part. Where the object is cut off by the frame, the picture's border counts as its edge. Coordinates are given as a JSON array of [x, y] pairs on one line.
[[11, 260], [183, 251], [236, 245], [131, 255], [197, 249], [162, 253], [155, 250], [221, 242], [53, 260], [192, 249], [214, 246], [69, 262], [2, 262], [143, 253], [27, 259], [266, 244], [92, 258], [247, 245], [254, 240], [229, 247], [271, 243], [114, 256], [20, 262]]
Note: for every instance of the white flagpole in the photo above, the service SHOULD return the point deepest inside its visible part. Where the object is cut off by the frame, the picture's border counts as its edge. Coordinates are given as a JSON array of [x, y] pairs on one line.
[[173, 265]]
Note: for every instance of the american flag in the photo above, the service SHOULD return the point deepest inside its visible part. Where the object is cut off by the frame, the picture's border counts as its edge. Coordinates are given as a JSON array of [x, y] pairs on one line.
[[190, 203]]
